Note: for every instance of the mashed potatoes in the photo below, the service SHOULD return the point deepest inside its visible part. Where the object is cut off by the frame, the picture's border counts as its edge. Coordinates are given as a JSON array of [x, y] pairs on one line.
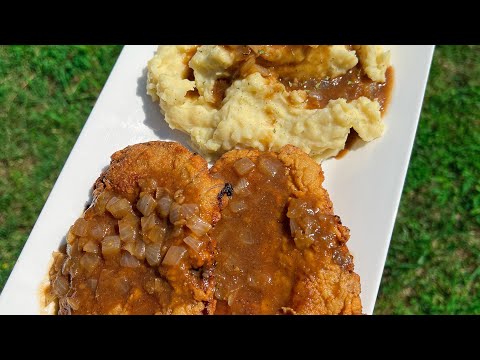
[[265, 97]]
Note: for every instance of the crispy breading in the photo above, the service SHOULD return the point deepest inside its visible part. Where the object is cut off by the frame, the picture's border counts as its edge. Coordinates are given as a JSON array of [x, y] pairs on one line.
[[173, 167], [144, 289], [283, 273]]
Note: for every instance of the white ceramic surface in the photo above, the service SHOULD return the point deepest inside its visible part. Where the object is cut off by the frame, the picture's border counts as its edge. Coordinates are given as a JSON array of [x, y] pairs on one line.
[[365, 186]]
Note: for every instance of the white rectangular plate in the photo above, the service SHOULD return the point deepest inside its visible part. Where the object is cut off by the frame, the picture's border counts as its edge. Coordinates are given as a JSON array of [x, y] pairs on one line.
[[365, 186]]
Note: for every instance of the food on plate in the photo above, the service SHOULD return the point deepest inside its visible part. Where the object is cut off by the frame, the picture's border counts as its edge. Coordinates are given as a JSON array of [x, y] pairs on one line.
[[281, 249], [142, 245], [255, 234], [265, 97]]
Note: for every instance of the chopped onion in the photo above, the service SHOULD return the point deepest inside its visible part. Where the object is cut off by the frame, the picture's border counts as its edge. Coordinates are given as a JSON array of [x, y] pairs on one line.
[[130, 247], [265, 72], [177, 231], [164, 206], [246, 237], [80, 227], [66, 266], [242, 187], [82, 241], [231, 298], [127, 233], [128, 260], [294, 210], [139, 251], [174, 255], [247, 67], [89, 261], [73, 269], [243, 166], [250, 67], [111, 245], [127, 227], [294, 227], [70, 237], [97, 230], [58, 259], [91, 247], [92, 284], [63, 307], [161, 191], [119, 208], [237, 206], [189, 210], [152, 253], [60, 286], [176, 215], [72, 249], [156, 234], [73, 302], [101, 201], [148, 222], [146, 204], [310, 225], [198, 225], [193, 243], [269, 166], [49, 297]]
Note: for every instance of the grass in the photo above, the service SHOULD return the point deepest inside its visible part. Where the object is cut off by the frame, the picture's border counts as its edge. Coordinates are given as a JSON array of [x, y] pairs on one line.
[[433, 263], [46, 94]]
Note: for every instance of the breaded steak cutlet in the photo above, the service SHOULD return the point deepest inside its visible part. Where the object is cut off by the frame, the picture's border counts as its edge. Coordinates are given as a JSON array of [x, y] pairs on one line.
[[280, 247], [141, 247]]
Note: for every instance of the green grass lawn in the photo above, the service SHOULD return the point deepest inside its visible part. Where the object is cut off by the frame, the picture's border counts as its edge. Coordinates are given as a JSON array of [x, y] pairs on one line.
[[46, 94]]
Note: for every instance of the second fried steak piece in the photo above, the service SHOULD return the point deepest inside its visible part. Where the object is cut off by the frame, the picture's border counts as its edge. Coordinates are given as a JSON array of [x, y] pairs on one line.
[[141, 247], [281, 249]]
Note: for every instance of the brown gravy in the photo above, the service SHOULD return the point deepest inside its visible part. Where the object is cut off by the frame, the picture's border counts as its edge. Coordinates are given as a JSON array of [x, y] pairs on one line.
[[352, 138], [249, 278], [353, 85], [287, 64], [260, 257], [105, 271]]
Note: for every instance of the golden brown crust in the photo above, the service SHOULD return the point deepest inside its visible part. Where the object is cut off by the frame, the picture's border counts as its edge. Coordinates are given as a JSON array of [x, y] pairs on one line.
[[305, 175], [185, 288], [330, 290], [173, 167], [327, 288], [324, 288]]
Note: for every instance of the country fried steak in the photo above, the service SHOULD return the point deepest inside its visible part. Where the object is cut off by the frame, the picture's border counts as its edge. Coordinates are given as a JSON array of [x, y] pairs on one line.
[[280, 247], [142, 246], [164, 235]]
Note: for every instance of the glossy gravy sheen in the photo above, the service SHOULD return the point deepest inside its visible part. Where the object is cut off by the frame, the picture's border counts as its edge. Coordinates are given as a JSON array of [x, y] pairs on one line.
[[248, 275], [260, 257], [132, 277], [105, 286], [353, 85], [288, 64]]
